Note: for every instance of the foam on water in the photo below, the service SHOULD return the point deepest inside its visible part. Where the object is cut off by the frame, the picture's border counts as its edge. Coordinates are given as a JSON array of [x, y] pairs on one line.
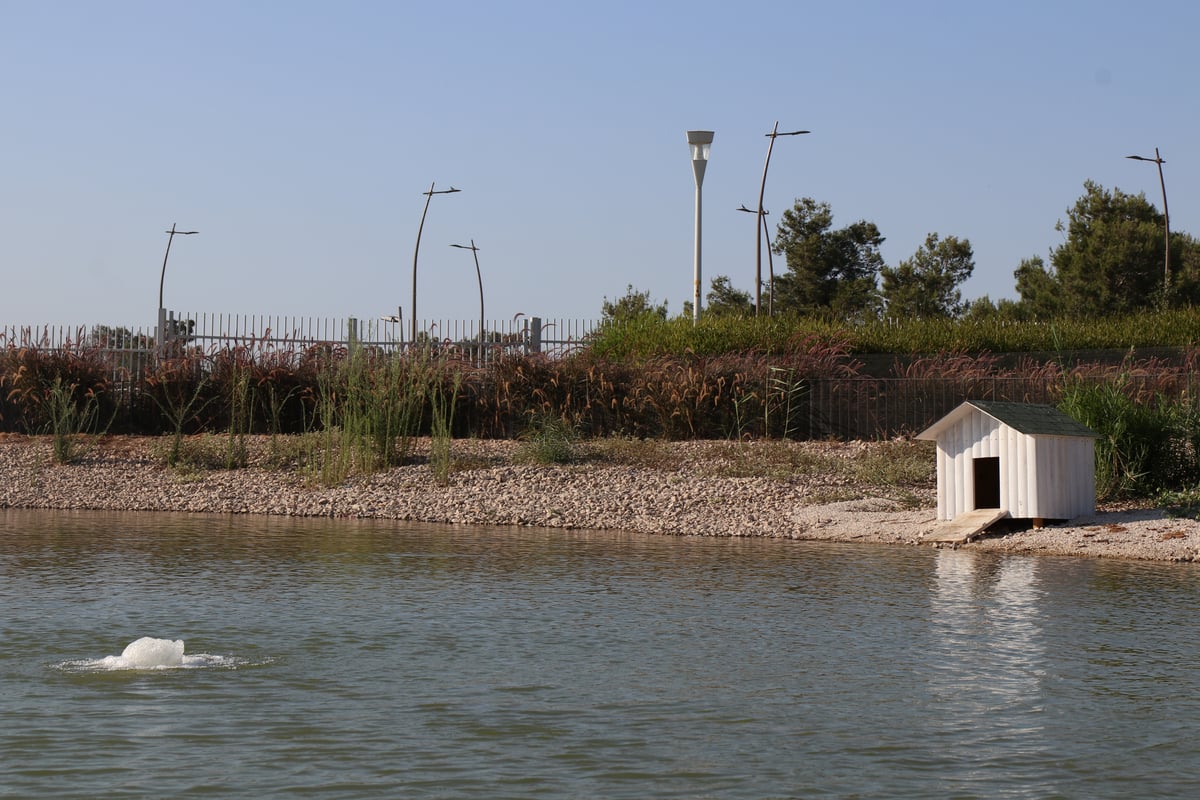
[[149, 653]]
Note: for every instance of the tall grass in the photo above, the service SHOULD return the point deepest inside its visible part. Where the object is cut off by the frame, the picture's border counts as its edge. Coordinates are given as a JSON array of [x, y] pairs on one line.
[[233, 374], [442, 404], [370, 405], [73, 412], [180, 388], [1147, 444]]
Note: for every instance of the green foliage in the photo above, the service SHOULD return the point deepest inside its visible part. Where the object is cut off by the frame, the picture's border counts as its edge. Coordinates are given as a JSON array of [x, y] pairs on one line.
[[181, 391], [723, 299], [1111, 263], [547, 440], [1147, 443], [997, 333], [442, 403], [233, 372], [927, 285], [713, 335], [1040, 298], [783, 402], [828, 271], [634, 305], [1112, 260], [369, 406], [72, 413], [188, 457]]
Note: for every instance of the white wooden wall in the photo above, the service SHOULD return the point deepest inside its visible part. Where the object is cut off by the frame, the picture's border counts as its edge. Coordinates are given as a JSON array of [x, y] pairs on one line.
[[1044, 477]]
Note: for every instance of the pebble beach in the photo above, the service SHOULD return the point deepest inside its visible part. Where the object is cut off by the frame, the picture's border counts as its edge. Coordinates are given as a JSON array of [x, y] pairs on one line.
[[689, 489]]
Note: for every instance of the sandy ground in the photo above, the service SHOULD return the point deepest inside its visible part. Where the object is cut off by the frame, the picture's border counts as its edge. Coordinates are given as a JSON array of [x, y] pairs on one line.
[[1145, 534]]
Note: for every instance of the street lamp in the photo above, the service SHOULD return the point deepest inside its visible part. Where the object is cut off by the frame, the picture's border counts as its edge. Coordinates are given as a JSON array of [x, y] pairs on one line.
[[770, 260], [700, 142], [762, 215], [1166, 217], [162, 312], [413, 310], [479, 276], [161, 278]]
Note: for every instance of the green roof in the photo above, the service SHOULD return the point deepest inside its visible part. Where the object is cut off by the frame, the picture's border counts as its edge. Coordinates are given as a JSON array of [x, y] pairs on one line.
[[1027, 418]]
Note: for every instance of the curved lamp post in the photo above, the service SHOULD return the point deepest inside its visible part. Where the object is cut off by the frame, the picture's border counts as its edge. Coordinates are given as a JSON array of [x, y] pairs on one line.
[[700, 142], [162, 312], [412, 312], [770, 260], [479, 276], [762, 215], [162, 277], [1166, 217]]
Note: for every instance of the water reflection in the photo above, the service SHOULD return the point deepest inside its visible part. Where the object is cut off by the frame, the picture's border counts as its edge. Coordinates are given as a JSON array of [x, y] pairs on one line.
[[391, 659], [989, 658]]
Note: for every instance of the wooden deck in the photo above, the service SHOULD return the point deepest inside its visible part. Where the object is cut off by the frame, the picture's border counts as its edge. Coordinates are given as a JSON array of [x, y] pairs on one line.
[[966, 527]]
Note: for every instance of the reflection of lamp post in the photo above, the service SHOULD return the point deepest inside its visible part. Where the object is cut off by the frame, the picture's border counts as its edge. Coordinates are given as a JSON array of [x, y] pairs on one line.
[[479, 276], [1166, 217], [162, 312], [699, 142], [762, 215], [412, 312]]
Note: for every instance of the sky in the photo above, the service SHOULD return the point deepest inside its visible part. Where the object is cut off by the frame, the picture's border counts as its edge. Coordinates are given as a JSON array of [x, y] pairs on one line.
[[298, 138]]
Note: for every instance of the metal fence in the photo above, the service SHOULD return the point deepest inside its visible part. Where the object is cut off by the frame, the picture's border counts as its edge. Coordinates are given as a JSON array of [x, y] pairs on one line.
[[132, 353], [520, 335], [884, 408]]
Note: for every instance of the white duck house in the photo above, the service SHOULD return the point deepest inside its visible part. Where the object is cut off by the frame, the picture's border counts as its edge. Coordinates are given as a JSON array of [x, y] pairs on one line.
[[1033, 461]]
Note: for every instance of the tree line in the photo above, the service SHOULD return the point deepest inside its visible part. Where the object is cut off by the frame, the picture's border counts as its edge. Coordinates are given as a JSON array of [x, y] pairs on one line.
[[1114, 259]]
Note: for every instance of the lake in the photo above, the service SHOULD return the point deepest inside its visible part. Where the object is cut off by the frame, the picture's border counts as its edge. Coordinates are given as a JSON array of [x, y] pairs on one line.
[[366, 659]]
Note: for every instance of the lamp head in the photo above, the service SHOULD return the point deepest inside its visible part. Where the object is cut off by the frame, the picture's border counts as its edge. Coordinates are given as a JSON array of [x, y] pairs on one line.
[[700, 142]]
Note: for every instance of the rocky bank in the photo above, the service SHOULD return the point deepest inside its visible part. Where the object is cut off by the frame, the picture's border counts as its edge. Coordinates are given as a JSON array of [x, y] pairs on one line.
[[685, 488]]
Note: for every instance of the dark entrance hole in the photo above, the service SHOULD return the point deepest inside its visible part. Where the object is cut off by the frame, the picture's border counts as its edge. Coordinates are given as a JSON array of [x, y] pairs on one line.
[[987, 482]]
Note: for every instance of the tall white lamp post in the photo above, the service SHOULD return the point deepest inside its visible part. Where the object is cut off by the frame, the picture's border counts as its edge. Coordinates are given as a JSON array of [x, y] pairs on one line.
[[700, 142]]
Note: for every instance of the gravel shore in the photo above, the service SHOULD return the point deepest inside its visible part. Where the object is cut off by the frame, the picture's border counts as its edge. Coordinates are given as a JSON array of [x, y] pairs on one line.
[[687, 488]]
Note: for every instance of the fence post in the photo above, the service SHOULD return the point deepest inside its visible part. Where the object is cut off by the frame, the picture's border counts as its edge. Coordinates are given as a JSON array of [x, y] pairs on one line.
[[535, 335], [351, 336], [160, 336]]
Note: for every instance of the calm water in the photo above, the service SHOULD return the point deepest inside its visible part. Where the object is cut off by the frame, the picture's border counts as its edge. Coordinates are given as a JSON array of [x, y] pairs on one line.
[[331, 659]]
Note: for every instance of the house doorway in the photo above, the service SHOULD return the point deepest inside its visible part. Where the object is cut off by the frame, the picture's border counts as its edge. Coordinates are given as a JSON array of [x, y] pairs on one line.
[[987, 482]]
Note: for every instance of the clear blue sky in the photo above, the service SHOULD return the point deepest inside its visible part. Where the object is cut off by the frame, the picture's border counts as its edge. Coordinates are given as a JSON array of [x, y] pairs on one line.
[[298, 137]]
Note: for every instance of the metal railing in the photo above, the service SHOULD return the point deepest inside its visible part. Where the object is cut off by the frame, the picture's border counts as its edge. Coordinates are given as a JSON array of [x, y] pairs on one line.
[[520, 335]]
